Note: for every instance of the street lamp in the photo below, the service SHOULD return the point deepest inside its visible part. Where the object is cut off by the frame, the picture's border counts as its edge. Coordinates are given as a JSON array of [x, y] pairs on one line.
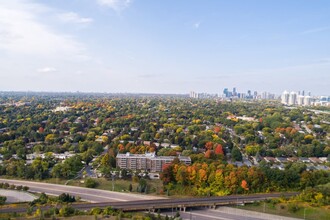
[[113, 183]]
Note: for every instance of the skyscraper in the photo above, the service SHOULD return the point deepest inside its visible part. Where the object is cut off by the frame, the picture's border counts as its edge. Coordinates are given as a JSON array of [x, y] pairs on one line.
[[293, 98], [307, 101], [225, 92], [285, 98], [300, 100], [234, 92]]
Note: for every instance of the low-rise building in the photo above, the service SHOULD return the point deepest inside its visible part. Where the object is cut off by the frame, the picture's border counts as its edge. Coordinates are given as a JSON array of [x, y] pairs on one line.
[[315, 160], [149, 161], [270, 159]]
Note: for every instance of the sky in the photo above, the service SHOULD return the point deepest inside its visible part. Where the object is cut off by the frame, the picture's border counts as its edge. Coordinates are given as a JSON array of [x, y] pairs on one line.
[[165, 46]]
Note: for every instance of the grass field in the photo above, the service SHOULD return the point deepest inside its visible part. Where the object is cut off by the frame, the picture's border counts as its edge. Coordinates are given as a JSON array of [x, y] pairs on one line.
[[154, 186], [304, 212]]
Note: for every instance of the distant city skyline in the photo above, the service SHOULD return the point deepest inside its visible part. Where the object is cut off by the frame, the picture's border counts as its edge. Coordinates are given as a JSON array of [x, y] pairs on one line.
[[165, 47]]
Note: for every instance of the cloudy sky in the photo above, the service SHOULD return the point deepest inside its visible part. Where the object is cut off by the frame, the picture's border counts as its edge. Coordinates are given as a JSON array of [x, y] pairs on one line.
[[159, 46]]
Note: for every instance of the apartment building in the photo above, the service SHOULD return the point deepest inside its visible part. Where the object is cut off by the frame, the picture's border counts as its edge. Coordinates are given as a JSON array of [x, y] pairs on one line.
[[148, 161]]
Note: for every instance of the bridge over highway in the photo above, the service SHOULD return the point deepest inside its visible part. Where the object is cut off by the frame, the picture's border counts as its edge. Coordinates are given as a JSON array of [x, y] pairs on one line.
[[178, 204]]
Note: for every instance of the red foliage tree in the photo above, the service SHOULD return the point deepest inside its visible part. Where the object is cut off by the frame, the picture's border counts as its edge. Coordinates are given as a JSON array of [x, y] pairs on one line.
[[208, 154], [244, 185], [41, 130], [218, 149], [217, 129], [167, 175], [209, 145]]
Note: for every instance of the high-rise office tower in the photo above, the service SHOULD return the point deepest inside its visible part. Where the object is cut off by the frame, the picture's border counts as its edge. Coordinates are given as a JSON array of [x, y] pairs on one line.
[[225, 92]]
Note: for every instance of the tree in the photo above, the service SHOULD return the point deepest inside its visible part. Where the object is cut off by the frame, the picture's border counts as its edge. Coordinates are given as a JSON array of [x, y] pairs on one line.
[[142, 187], [209, 145], [65, 197], [218, 149], [181, 175], [2, 200], [167, 175], [208, 154], [236, 154], [244, 185], [66, 211], [50, 138]]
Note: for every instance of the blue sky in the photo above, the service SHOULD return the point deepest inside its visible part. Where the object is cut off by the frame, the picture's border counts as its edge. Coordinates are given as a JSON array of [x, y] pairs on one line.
[[165, 46]]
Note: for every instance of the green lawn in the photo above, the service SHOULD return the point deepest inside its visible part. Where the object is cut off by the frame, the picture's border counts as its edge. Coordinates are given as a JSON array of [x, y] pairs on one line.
[[311, 213], [154, 186]]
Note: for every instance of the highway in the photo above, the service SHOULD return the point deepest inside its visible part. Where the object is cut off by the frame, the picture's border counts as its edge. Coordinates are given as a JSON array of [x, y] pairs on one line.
[[87, 194], [230, 214], [178, 204]]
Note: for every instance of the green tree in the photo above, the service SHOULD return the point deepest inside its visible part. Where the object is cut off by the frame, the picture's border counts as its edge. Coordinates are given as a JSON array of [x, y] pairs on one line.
[[3, 200], [236, 154]]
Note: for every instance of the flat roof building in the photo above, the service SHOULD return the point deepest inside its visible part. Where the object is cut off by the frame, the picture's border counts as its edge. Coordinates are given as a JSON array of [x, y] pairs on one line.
[[148, 161]]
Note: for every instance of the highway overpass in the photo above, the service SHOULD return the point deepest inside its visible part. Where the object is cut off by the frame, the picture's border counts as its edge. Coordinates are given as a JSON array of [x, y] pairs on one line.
[[177, 204]]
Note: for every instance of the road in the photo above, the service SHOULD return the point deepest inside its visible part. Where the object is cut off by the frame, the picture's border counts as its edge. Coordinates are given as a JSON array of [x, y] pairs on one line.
[[225, 214], [87, 194], [16, 196], [183, 204]]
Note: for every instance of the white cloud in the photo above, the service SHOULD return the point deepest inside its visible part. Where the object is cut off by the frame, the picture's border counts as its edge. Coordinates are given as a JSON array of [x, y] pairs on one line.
[[23, 32], [197, 24], [46, 70], [116, 5], [71, 17]]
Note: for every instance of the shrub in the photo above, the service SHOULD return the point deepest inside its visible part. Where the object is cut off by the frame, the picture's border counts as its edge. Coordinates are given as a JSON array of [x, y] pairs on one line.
[[65, 197], [293, 207], [96, 211], [2, 200], [66, 211], [6, 185], [109, 211], [91, 183], [51, 212]]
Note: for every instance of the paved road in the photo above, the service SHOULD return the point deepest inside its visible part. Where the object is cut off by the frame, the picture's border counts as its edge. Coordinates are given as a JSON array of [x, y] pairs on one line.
[[90, 172], [91, 195], [153, 205], [16, 196], [225, 213]]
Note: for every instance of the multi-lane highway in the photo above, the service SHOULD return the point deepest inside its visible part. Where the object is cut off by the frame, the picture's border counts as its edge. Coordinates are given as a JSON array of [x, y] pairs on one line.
[[135, 202], [226, 214], [87, 194], [178, 204]]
